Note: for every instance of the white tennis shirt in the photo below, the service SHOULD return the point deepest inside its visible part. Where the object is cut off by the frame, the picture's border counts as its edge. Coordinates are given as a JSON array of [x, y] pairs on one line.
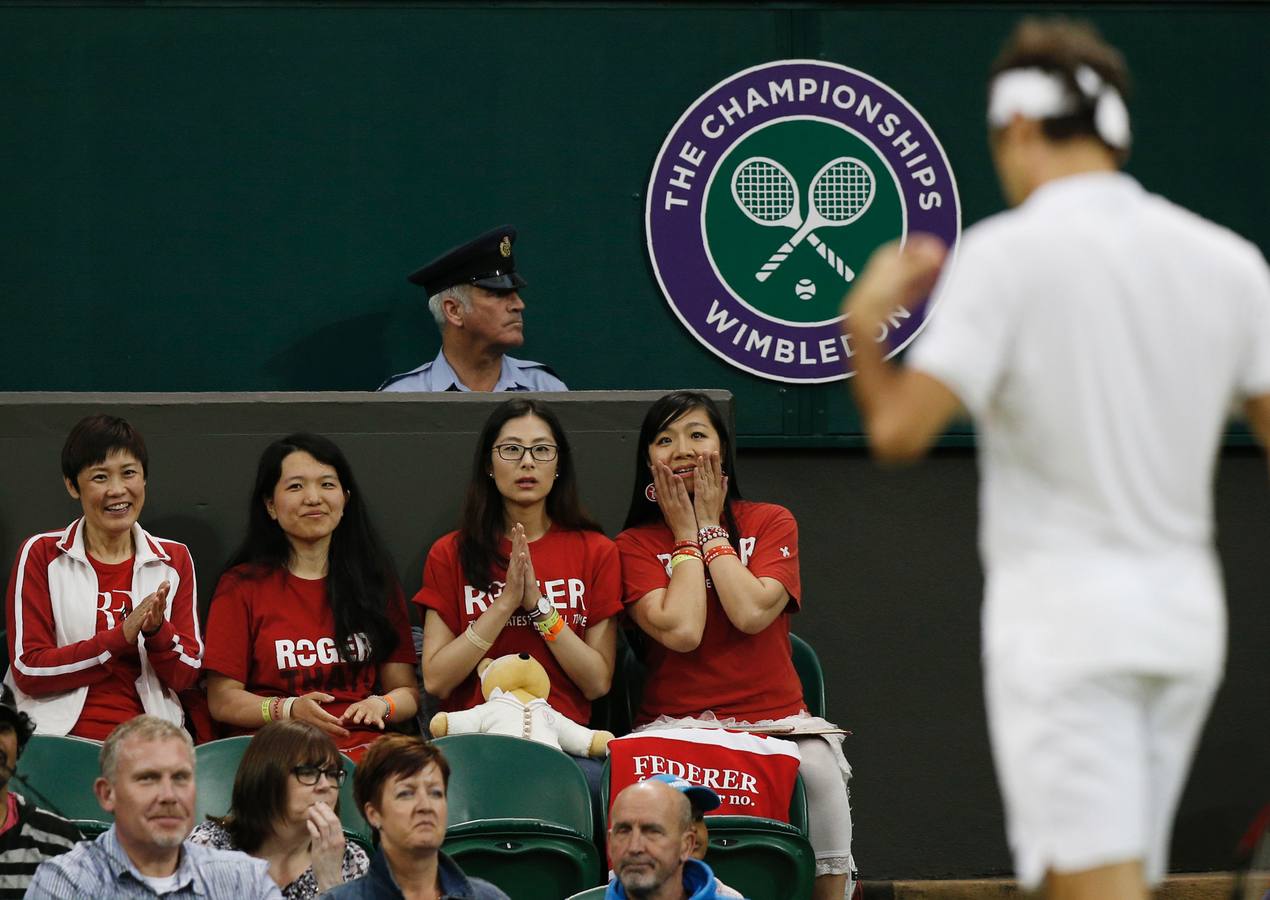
[[1099, 336]]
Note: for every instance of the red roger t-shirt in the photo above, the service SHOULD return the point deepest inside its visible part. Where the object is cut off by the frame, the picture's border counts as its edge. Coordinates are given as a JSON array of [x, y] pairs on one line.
[[276, 634], [114, 699], [578, 571], [749, 677]]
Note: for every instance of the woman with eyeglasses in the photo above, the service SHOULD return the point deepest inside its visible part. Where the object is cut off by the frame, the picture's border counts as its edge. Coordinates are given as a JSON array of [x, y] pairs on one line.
[[527, 571], [308, 621], [284, 810]]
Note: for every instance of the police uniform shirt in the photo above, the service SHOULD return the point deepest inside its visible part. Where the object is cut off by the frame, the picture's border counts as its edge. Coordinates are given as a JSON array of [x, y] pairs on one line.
[[516, 375]]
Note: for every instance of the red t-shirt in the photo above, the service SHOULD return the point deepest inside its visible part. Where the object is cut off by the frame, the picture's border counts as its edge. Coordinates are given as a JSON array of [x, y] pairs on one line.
[[745, 676], [578, 571], [114, 699], [276, 634]]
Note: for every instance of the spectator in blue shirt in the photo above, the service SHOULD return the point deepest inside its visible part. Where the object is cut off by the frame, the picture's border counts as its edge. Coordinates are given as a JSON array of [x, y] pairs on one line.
[[147, 782], [474, 294], [651, 840]]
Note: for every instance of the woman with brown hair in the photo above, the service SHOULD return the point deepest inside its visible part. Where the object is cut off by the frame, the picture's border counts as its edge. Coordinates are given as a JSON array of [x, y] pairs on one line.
[[400, 788], [284, 810]]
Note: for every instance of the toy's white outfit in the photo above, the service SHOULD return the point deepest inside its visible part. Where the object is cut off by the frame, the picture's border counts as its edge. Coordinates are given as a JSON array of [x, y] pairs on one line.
[[503, 713], [1099, 335]]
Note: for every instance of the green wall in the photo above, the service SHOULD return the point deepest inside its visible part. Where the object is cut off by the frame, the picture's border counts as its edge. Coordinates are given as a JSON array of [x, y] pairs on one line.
[[202, 197]]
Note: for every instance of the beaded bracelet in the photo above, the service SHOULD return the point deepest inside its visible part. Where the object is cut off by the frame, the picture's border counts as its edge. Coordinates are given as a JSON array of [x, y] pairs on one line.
[[392, 707], [712, 533], [722, 550]]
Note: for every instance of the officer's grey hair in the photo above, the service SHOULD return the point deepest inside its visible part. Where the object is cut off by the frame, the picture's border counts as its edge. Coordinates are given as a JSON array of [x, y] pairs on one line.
[[143, 728], [460, 292]]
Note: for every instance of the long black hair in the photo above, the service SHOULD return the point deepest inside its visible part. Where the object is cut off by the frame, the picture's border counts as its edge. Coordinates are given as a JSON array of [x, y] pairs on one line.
[[360, 580], [481, 528], [664, 411]]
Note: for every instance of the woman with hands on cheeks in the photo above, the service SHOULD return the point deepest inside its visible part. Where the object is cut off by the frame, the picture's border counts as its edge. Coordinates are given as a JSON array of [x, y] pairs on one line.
[[527, 572], [284, 810], [713, 580], [308, 621]]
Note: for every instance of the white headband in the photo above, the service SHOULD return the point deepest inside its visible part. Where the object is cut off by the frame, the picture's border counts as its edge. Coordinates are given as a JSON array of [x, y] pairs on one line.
[[1040, 94]]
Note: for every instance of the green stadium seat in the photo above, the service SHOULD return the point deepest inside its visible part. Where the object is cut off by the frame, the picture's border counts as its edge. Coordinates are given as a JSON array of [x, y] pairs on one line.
[[810, 674], [355, 827], [215, 765], [764, 860], [57, 773], [517, 807]]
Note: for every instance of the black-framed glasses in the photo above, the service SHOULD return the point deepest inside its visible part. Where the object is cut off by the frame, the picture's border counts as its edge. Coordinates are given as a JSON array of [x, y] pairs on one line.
[[516, 452], [308, 775]]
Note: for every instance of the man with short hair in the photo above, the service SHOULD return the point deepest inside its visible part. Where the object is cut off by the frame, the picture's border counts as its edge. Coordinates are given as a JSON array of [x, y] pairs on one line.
[[1098, 335], [651, 841], [474, 294], [28, 835], [147, 782]]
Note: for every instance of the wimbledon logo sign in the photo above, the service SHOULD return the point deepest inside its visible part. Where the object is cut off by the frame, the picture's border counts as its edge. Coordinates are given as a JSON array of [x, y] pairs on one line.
[[771, 192]]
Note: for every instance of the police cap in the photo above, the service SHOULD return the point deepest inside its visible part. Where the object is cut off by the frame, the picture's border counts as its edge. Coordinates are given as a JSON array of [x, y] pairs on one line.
[[486, 261]]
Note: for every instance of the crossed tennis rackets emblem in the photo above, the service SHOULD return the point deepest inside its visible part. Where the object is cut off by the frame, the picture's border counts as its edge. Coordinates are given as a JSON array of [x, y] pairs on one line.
[[840, 194]]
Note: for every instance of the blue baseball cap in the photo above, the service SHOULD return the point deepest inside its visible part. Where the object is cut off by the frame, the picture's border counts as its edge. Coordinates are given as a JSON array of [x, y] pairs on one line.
[[703, 799]]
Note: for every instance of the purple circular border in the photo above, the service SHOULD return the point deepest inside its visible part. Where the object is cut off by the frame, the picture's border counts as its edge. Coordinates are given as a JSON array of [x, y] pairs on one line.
[[683, 267]]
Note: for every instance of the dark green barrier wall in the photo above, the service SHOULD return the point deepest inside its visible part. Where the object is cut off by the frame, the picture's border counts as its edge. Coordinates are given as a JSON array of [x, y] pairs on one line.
[[227, 197]]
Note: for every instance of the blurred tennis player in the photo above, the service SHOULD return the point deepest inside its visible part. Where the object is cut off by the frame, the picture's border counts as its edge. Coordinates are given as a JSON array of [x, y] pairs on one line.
[[1098, 335]]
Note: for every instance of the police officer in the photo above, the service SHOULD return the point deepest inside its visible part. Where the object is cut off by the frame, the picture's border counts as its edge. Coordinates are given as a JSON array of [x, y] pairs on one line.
[[474, 294]]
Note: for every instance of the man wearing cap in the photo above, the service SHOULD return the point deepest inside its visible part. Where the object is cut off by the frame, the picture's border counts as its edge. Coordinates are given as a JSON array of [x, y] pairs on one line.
[[1098, 335], [474, 294], [703, 800], [651, 841], [28, 835]]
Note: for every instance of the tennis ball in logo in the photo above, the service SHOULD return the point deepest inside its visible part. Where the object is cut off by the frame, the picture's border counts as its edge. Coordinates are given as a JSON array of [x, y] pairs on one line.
[[805, 289]]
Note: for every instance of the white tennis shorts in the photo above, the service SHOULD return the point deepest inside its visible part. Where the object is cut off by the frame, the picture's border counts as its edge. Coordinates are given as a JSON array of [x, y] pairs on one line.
[[1092, 766]]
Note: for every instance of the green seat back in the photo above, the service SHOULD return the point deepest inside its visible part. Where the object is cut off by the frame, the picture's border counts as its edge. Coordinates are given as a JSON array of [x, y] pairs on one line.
[[215, 766], [519, 816], [57, 773], [762, 862], [497, 777], [527, 866], [812, 676], [355, 827]]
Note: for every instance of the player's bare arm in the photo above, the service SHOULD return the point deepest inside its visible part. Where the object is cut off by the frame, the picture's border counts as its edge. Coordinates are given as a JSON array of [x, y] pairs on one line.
[[903, 410], [1257, 409]]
